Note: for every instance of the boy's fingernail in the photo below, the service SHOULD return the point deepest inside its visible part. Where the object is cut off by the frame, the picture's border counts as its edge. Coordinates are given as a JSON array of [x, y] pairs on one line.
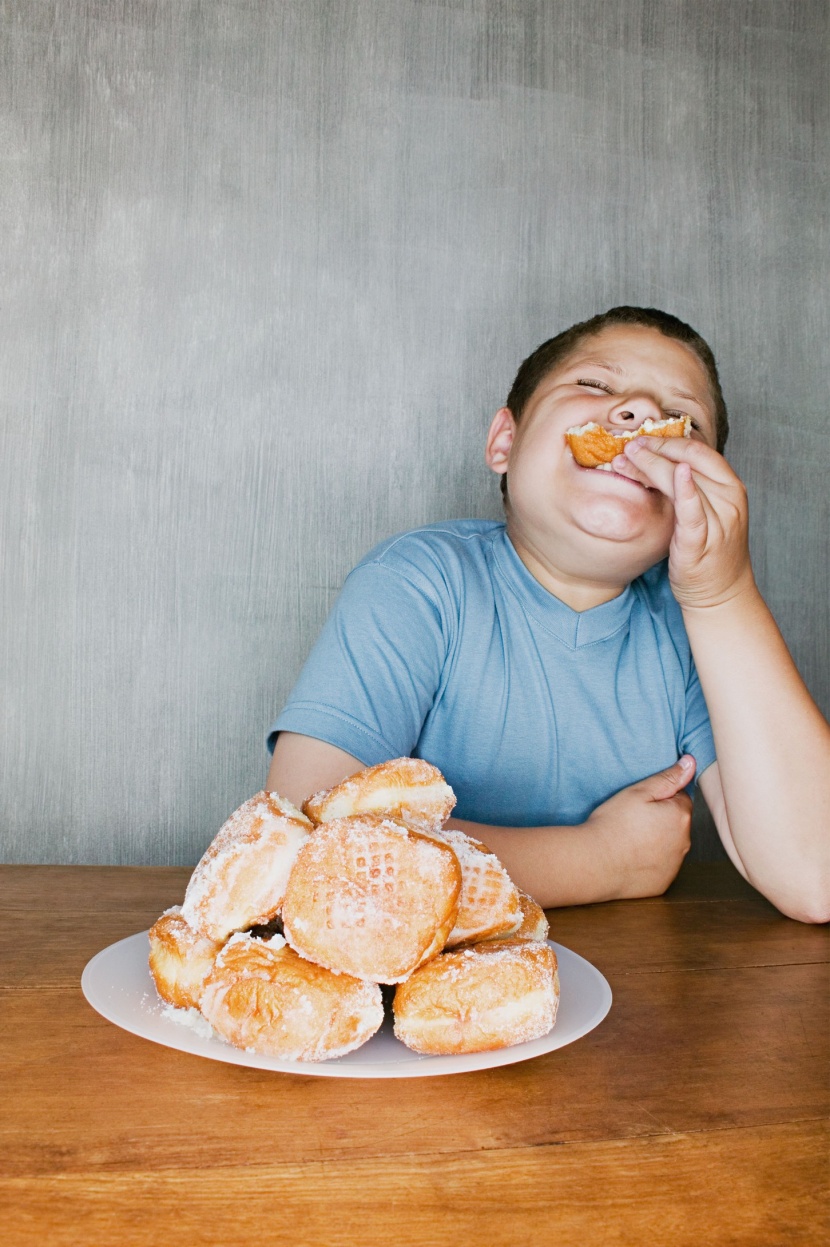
[[686, 762], [636, 443]]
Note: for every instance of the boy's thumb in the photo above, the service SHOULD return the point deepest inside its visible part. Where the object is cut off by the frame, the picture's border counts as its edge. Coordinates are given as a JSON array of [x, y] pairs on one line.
[[668, 783]]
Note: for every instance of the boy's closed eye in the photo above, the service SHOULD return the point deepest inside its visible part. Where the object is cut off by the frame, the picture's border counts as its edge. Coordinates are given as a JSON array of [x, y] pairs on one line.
[[595, 385], [592, 384]]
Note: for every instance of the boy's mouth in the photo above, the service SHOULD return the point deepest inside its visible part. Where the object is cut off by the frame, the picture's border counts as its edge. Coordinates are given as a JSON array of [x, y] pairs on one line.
[[607, 471]]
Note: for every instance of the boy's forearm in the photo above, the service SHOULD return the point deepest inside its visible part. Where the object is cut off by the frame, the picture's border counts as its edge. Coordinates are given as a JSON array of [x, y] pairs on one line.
[[559, 866], [554, 865], [773, 749]]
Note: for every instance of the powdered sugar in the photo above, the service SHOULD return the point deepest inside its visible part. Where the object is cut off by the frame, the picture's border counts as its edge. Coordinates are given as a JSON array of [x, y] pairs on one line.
[[489, 901], [241, 879], [479, 998], [368, 896], [191, 1018]]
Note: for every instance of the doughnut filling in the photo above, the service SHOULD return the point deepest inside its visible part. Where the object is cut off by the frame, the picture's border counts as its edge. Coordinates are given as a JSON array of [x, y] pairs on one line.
[[370, 897], [262, 997]]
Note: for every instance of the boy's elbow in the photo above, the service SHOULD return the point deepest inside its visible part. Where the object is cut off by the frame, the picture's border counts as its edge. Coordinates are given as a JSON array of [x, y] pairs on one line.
[[813, 907], [817, 915], [804, 900]]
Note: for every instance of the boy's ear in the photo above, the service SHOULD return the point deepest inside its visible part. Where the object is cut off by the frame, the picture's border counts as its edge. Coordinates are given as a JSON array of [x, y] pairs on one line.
[[499, 440]]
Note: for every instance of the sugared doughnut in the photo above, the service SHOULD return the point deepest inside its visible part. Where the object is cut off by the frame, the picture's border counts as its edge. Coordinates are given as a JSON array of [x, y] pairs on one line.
[[370, 897], [180, 959], [534, 924], [241, 878], [475, 999], [489, 903], [406, 788], [263, 997], [593, 445]]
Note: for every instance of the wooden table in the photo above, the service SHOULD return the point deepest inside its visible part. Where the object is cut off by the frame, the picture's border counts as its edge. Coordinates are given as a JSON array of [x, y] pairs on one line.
[[695, 1114]]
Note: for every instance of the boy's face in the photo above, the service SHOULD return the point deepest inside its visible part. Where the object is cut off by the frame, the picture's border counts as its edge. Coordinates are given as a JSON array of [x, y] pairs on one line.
[[599, 521]]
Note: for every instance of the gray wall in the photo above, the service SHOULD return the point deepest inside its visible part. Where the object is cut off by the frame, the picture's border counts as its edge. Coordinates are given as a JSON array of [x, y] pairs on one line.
[[268, 268]]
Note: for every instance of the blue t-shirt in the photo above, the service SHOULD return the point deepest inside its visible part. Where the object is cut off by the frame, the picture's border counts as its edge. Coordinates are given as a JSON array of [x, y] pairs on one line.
[[443, 646]]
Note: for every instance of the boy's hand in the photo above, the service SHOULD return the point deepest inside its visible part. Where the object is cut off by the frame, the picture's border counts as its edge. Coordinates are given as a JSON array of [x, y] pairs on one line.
[[709, 552], [646, 829]]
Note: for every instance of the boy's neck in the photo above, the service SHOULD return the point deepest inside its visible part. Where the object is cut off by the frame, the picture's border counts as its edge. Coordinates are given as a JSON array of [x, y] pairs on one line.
[[579, 593]]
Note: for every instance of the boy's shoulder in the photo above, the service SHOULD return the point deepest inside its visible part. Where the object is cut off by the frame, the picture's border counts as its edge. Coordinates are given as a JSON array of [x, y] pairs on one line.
[[654, 593], [434, 547]]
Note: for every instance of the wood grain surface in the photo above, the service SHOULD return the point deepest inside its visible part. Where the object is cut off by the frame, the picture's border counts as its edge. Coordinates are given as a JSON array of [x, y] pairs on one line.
[[268, 269], [695, 1113]]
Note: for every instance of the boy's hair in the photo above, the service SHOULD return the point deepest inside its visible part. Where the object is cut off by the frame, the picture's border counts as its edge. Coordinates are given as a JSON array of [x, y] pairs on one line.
[[550, 354]]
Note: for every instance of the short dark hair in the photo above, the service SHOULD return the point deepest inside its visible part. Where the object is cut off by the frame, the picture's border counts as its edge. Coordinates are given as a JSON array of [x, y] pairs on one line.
[[550, 354]]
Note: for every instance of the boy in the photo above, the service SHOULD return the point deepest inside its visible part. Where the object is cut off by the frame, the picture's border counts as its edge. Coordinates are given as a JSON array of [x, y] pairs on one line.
[[555, 666]]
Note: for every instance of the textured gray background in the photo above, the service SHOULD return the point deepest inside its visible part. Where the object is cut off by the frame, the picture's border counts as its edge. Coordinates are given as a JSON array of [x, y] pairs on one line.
[[268, 268]]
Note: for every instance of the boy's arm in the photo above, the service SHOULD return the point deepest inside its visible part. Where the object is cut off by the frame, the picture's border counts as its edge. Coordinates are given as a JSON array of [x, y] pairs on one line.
[[302, 765], [632, 845], [770, 792]]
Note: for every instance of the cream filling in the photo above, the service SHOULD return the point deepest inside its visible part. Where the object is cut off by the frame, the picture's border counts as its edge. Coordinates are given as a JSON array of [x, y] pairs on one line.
[[625, 435], [386, 799]]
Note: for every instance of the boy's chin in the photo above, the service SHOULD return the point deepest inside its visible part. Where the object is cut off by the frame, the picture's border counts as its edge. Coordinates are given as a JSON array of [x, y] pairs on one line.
[[647, 526], [622, 558]]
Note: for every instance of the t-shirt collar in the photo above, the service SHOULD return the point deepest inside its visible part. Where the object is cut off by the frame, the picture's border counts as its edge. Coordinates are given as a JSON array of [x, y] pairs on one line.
[[573, 628]]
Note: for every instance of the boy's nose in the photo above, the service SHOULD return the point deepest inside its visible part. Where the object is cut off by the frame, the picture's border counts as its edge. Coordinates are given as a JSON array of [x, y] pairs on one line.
[[631, 411]]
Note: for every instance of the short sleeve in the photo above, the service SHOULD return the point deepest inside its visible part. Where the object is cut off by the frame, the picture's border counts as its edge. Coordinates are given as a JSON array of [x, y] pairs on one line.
[[697, 736], [372, 677]]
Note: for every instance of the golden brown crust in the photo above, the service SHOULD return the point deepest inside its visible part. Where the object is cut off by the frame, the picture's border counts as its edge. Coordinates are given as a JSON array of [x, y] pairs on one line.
[[241, 879], [409, 789], [180, 959], [369, 896], [594, 444], [488, 996], [263, 997], [489, 904], [534, 924]]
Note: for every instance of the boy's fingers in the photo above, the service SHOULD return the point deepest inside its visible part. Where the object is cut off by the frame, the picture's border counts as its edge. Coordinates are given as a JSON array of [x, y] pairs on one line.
[[701, 493], [654, 469], [656, 473], [668, 783], [705, 461], [689, 507]]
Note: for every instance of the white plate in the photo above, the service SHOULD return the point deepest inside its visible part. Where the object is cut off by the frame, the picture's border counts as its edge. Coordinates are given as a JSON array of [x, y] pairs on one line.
[[117, 984]]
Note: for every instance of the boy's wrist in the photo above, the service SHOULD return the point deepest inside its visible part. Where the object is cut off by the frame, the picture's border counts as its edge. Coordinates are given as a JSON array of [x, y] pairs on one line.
[[602, 845], [739, 598]]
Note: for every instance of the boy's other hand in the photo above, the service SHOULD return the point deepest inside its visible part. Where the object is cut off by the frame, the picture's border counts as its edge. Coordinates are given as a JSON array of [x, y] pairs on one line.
[[709, 553], [645, 830]]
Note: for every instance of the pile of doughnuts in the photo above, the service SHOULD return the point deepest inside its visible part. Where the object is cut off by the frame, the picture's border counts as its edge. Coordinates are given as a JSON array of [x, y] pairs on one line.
[[293, 919]]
